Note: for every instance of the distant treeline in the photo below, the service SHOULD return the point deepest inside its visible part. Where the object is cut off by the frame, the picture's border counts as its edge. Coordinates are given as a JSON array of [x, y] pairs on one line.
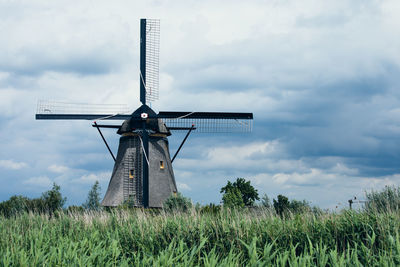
[[237, 195], [49, 202]]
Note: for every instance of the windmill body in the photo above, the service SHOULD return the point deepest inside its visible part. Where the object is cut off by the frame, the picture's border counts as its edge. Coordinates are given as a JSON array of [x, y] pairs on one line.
[[143, 175], [126, 184]]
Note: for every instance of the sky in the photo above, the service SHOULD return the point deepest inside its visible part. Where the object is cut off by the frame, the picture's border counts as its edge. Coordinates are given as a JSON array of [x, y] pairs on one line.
[[321, 77]]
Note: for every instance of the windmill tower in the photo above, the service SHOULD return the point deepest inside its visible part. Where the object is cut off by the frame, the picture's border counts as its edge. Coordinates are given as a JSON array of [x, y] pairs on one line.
[[143, 173]]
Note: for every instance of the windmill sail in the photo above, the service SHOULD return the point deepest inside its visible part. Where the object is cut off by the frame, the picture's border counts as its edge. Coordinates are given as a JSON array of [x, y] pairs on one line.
[[209, 122], [59, 110], [152, 46]]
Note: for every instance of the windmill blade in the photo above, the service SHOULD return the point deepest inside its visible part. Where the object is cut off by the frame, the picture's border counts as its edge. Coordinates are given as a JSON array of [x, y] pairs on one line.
[[152, 55], [92, 117], [209, 122], [57, 110], [204, 115]]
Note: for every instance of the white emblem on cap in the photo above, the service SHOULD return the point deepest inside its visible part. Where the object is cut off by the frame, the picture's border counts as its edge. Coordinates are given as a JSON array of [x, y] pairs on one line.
[[144, 115]]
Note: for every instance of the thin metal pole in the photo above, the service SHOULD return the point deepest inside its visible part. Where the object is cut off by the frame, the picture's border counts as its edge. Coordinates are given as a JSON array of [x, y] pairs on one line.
[[105, 142], [187, 135], [145, 137]]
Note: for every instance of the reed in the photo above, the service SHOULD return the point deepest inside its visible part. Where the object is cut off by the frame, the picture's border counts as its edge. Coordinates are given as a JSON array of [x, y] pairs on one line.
[[228, 237]]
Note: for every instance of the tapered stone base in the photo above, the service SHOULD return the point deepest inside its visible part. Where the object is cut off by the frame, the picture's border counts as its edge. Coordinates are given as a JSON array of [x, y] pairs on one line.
[[126, 182]]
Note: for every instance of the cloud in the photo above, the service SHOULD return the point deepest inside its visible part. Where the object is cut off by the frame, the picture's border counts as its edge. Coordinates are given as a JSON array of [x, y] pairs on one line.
[[93, 177], [58, 168], [40, 181], [12, 165], [183, 186], [30, 50]]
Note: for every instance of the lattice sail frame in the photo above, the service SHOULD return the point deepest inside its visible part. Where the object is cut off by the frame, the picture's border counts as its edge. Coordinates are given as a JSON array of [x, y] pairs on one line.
[[59, 107], [152, 59], [213, 125]]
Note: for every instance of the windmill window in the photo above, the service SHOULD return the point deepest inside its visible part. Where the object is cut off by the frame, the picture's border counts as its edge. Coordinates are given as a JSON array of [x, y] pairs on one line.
[[162, 165], [131, 174]]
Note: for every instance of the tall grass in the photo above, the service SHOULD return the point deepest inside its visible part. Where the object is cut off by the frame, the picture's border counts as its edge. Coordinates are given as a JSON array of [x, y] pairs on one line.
[[229, 237], [386, 200]]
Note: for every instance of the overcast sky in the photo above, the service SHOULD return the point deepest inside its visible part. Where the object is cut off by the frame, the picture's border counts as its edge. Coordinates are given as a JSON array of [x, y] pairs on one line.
[[321, 77]]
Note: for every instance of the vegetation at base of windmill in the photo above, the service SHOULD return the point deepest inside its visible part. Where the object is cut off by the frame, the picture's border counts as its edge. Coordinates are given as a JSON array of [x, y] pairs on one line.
[[231, 237], [208, 209], [386, 200], [248, 193], [128, 204], [73, 209], [49, 202], [177, 203], [93, 198]]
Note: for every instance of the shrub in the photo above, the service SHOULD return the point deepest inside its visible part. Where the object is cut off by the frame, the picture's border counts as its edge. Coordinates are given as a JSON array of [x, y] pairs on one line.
[[210, 209], [177, 203]]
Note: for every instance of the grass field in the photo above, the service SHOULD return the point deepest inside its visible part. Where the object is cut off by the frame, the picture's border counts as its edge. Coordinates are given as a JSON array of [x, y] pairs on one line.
[[227, 238]]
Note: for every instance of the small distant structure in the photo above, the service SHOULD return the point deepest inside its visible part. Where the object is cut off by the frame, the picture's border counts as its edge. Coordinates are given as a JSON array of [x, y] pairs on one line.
[[355, 200]]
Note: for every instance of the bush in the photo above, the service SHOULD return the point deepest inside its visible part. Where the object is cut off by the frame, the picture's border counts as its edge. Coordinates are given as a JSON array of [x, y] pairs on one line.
[[210, 209], [177, 203]]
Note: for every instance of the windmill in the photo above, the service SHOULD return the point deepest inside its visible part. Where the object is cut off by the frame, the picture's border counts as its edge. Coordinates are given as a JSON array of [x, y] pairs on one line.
[[143, 172]]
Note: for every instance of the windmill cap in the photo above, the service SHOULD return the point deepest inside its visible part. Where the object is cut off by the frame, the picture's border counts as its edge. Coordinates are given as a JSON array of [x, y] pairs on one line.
[[143, 113]]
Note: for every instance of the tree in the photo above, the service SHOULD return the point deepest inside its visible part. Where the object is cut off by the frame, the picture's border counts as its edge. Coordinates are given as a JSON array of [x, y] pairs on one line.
[[14, 206], [93, 198], [233, 198], [49, 202], [281, 205], [248, 193], [265, 201], [53, 199]]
